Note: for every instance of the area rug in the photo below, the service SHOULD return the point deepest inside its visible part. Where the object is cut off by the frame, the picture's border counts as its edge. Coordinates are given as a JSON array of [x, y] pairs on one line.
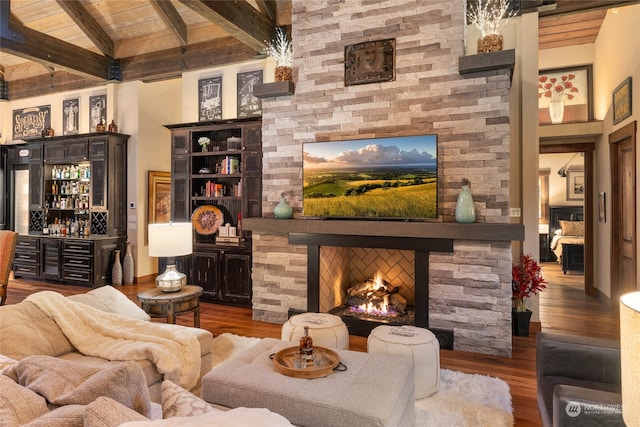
[[464, 400]]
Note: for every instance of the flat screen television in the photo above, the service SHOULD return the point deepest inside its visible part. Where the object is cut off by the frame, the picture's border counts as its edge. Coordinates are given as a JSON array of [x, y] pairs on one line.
[[378, 178]]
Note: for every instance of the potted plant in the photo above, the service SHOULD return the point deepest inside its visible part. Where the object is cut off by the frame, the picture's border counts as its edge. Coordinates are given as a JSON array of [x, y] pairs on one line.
[[281, 50], [526, 280], [487, 17]]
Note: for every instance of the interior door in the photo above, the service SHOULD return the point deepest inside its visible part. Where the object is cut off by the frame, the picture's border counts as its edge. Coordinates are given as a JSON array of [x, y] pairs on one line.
[[624, 237]]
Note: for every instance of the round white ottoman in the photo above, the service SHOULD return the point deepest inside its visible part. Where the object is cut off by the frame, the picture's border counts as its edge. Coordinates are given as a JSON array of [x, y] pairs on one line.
[[417, 344], [326, 329]]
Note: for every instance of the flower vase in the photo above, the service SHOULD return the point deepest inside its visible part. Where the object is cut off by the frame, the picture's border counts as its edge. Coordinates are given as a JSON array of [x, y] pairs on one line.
[[127, 266], [465, 208], [283, 73], [556, 111], [283, 209], [490, 43], [520, 321], [205, 148], [116, 270]]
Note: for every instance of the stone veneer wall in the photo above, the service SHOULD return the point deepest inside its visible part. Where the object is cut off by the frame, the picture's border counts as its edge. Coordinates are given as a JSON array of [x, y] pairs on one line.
[[469, 289]]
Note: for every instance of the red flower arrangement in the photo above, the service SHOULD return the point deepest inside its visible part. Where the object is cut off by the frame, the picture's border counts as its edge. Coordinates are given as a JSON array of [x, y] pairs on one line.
[[554, 89], [526, 280]]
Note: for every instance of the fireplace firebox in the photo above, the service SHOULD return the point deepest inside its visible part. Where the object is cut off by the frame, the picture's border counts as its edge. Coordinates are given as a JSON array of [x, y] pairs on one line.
[[417, 309]]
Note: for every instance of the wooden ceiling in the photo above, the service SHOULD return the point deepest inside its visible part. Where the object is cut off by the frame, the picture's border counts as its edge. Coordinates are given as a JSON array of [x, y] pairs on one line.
[[74, 44]]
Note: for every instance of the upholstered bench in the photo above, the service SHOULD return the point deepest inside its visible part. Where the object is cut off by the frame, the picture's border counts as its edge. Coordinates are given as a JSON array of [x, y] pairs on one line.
[[327, 330], [375, 390], [418, 345]]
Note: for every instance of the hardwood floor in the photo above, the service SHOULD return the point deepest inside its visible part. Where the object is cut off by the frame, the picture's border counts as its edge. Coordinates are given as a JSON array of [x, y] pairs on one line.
[[563, 308]]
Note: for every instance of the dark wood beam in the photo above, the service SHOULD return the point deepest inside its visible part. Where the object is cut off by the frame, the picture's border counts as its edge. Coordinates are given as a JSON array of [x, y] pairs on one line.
[[57, 81], [89, 26], [238, 18], [268, 8], [171, 19], [54, 52], [173, 62]]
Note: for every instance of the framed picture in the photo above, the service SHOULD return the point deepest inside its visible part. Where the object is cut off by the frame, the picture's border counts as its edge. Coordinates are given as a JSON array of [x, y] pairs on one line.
[[159, 197], [70, 110], [249, 105], [97, 111], [565, 95], [30, 122], [622, 101], [602, 207], [210, 99], [575, 184]]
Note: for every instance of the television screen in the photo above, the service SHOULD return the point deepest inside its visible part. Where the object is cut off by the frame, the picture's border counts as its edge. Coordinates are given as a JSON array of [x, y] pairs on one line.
[[393, 178]]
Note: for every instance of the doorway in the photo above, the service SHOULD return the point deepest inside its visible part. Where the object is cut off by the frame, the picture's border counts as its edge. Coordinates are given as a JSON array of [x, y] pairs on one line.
[[567, 169]]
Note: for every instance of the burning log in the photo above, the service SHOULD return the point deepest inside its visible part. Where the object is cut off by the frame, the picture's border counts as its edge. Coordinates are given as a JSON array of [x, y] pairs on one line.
[[378, 296]]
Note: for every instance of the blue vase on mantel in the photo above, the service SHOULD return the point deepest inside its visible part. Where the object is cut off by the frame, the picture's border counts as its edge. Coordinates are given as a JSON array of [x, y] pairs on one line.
[[283, 209], [465, 208]]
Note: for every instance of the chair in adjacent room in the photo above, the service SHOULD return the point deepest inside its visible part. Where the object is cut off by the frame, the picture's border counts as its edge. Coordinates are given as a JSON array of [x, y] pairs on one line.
[[8, 240]]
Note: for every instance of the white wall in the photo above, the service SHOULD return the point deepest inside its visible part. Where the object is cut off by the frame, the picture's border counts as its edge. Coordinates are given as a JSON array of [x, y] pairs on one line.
[[616, 58], [558, 184]]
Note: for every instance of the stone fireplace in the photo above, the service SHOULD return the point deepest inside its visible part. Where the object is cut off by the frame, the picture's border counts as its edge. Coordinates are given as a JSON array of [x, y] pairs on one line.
[[435, 91]]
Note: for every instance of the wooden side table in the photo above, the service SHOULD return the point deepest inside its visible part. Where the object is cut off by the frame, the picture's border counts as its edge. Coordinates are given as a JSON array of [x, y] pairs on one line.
[[168, 305]]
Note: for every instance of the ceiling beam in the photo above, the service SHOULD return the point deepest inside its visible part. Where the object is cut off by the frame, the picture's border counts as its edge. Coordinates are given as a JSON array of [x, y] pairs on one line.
[[171, 19], [53, 52], [89, 26], [238, 18], [268, 8]]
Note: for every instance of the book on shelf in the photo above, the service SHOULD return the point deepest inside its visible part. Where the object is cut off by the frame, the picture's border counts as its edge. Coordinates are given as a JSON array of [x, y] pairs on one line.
[[232, 240]]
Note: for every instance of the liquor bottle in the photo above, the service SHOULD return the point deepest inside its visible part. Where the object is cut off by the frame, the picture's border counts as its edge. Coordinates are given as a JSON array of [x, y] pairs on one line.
[[306, 344]]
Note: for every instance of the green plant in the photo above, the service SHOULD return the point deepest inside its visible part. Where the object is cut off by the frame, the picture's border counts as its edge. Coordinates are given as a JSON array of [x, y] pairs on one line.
[[526, 280]]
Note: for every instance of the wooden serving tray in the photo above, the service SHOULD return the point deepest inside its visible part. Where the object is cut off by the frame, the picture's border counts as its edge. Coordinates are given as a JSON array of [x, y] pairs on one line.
[[283, 363]]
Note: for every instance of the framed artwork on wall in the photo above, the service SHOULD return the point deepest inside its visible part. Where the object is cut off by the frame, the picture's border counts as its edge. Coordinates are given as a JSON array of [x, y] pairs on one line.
[[210, 99], [159, 197], [575, 184], [249, 105], [602, 207], [97, 111], [565, 95], [30, 122], [622, 101], [70, 111]]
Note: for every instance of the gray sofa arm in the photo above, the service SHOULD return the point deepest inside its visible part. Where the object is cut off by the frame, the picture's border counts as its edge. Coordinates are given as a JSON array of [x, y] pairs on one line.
[[583, 358], [582, 407]]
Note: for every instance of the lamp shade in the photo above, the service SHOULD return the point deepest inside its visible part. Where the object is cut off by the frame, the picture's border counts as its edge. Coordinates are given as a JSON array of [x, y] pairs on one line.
[[630, 357], [170, 239]]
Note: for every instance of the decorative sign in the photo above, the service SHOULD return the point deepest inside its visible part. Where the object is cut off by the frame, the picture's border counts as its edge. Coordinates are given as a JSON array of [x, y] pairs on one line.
[[30, 122], [97, 111], [622, 101], [249, 105], [70, 112], [370, 62], [210, 99]]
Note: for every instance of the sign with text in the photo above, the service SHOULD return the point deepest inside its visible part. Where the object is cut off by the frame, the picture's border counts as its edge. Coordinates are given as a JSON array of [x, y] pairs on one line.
[[30, 122]]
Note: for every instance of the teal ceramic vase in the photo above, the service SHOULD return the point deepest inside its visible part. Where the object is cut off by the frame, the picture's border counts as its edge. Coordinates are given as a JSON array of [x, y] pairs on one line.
[[283, 209], [465, 209]]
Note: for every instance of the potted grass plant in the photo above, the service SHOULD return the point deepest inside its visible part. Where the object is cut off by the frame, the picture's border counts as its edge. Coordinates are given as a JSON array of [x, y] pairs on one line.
[[526, 280], [281, 49]]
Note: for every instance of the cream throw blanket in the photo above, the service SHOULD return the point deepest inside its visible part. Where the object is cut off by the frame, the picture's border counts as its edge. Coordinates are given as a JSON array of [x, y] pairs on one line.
[[174, 352]]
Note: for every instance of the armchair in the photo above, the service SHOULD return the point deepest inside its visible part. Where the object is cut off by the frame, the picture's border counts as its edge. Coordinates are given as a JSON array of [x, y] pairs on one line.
[[8, 240], [578, 381]]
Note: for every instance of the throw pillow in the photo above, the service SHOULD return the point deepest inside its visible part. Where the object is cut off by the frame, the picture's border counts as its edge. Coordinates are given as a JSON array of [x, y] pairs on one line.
[[178, 402], [246, 417], [64, 416], [19, 405], [6, 362], [109, 299], [63, 382], [106, 412], [572, 228]]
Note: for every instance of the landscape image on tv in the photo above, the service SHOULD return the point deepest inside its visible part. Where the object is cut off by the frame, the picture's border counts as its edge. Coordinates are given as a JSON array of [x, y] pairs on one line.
[[371, 178]]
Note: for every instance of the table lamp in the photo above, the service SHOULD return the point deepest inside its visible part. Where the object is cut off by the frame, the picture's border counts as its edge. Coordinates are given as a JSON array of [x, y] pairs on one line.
[[630, 357], [170, 240]]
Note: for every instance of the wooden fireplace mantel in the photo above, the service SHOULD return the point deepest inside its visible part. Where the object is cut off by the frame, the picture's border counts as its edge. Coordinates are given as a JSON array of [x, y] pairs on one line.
[[416, 229]]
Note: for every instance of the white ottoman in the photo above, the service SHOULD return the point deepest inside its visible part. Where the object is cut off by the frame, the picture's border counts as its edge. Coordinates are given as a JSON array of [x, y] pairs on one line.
[[326, 329], [417, 344]]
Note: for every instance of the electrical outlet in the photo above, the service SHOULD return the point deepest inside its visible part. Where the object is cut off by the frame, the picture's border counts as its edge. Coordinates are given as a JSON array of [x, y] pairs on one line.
[[132, 205], [515, 212]]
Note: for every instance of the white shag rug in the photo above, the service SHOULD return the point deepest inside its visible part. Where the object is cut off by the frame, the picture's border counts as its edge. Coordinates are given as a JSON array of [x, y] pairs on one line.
[[464, 400]]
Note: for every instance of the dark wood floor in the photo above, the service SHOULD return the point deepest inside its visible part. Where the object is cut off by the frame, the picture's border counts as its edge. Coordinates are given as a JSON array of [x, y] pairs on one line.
[[563, 308]]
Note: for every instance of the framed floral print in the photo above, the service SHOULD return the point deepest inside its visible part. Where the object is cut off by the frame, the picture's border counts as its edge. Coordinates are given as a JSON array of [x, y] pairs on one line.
[[564, 95]]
